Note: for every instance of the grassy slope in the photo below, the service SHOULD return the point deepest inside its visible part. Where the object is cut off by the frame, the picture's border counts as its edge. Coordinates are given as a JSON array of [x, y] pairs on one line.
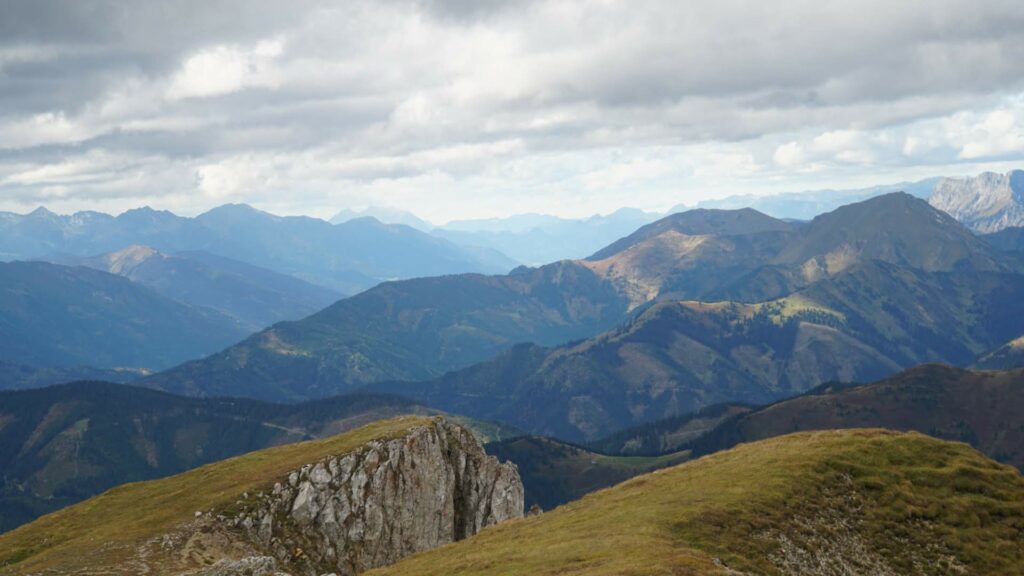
[[920, 496], [101, 530]]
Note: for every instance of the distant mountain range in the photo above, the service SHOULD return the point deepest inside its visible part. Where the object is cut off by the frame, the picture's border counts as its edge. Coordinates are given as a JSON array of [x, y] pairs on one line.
[[535, 239], [806, 205], [256, 297], [347, 257], [711, 306], [54, 316]]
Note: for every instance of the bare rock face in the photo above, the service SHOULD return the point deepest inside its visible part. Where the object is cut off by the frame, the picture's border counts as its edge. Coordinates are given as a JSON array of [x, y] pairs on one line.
[[389, 499], [986, 203]]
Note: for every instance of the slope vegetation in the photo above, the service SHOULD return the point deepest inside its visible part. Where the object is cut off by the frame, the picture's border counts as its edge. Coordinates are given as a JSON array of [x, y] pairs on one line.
[[860, 502]]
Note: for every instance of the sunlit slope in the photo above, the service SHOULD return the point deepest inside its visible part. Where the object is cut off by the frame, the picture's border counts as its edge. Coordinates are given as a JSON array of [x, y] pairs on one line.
[[874, 502]]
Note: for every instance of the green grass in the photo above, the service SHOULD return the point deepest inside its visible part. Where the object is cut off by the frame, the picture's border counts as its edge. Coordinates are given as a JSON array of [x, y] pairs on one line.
[[915, 502], [101, 531]]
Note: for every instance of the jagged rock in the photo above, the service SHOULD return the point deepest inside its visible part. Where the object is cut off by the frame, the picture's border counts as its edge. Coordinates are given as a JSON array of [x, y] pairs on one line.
[[388, 499], [987, 203]]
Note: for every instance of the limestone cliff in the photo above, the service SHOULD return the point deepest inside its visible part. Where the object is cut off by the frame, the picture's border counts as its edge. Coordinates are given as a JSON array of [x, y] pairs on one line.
[[388, 499]]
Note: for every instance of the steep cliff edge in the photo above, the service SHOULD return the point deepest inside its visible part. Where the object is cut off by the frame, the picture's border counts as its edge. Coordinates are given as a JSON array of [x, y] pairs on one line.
[[343, 505]]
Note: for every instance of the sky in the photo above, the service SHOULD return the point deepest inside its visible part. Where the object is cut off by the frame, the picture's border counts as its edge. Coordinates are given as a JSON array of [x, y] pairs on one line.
[[459, 109]]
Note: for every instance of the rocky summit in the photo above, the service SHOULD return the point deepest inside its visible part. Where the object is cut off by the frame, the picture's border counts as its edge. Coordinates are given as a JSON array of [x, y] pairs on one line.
[[386, 500], [337, 506]]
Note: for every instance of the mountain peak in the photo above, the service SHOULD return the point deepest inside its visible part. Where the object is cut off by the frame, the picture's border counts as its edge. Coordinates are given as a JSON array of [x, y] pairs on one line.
[[121, 261], [41, 213], [700, 222], [985, 203], [898, 228]]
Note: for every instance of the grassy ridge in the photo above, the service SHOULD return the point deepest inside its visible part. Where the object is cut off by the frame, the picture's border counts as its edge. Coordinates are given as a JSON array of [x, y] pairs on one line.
[[102, 530], [914, 505]]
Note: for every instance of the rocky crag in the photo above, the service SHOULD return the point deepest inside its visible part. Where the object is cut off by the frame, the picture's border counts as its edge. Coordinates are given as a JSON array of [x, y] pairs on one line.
[[341, 505], [374, 506]]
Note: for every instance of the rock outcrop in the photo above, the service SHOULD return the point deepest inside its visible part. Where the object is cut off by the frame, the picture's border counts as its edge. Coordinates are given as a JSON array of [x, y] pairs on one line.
[[384, 501], [987, 203]]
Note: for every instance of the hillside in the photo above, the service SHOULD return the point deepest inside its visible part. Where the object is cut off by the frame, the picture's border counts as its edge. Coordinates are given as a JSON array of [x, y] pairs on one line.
[[699, 222], [678, 357], [986, 203], [746, 256], [256, 297], [811, 503], [980, 408], [60, 316], [409, 330], [440, 487], [62, 444], [347, 257]]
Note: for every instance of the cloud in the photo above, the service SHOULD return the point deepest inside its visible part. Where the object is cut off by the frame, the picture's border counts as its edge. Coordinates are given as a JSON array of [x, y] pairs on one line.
[[301, 104]]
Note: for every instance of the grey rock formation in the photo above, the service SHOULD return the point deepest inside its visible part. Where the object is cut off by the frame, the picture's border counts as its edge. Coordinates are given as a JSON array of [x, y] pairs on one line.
[[386, 500], [987, 203]]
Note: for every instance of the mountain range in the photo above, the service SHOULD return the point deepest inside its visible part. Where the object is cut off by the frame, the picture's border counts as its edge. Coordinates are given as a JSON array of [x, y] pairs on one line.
[[55, 316], [256, 297], [347, 257], [698, 308]]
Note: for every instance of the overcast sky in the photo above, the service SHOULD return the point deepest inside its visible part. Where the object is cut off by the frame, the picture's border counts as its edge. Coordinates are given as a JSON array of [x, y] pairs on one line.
[[468, 108]]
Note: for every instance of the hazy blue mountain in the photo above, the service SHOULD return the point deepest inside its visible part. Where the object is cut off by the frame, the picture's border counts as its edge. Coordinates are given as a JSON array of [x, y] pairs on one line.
[[62, 316], [256, 297], [14, 376], [347, 257], [985, 203], [537, 239], [385, 215], [807, 205]]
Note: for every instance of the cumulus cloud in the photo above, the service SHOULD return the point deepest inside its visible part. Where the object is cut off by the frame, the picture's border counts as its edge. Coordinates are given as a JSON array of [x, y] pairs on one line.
[[464, 108]]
